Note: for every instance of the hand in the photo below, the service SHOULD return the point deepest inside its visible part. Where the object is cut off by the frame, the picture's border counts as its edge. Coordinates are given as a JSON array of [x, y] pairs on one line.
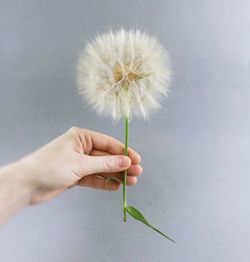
[[78, 157]]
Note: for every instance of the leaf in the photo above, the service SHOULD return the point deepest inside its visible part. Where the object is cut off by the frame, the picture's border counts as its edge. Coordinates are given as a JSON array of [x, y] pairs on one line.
[[110, 178], [136, 214]]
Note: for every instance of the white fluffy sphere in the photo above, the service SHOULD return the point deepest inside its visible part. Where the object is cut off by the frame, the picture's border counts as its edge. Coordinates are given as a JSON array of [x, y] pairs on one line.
[[124, 73]]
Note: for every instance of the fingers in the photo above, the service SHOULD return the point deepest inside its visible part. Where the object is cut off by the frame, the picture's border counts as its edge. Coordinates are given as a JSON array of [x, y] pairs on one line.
[[134, 156], [93, 140], [103, 164], [106, 143], [99, 183], [131, 180], [111, 145], [134, 170]]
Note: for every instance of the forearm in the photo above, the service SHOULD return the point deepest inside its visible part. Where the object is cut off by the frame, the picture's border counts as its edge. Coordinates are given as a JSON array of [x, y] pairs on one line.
[[15, 190]]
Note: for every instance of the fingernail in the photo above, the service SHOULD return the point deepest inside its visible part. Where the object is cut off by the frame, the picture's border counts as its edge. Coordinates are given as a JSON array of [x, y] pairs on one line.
[[123, 161]]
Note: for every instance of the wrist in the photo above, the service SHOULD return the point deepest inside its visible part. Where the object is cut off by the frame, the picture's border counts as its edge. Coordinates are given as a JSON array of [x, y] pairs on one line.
[[15, 190], [18, 180]]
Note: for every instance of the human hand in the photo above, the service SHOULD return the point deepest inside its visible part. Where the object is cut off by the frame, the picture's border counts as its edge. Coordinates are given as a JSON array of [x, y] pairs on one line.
[[78, 157]]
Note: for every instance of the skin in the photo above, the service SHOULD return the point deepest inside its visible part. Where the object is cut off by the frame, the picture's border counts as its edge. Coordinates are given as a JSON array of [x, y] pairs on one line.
[[79, 157]]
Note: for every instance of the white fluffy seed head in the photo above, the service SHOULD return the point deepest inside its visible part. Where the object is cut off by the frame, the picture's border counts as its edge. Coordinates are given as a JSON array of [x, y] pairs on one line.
[[124, 73]]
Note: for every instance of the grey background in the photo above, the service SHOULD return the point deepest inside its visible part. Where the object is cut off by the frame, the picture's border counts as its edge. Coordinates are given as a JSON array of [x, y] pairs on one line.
[[196, 150]]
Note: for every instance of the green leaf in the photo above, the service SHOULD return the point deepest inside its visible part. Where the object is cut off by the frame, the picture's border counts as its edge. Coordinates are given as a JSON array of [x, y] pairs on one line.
[[110, 178], [136, 214]]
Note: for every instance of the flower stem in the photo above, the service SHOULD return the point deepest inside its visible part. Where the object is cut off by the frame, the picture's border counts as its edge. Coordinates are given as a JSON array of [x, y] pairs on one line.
[[126, 171]]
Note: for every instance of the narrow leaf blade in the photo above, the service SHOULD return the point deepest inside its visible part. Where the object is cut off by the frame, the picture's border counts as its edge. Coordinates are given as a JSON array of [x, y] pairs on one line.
[[136, 214], [158, 231], [110, 178]]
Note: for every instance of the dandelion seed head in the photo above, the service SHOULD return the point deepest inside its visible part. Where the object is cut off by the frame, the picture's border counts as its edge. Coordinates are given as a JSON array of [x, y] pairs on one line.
[[124, 74]]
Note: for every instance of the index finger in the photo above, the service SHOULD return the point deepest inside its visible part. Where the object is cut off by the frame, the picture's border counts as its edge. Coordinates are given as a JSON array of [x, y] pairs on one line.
[[113, 146]]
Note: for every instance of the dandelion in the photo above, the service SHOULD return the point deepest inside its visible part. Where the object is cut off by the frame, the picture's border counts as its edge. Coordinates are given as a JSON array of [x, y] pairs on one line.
[[124, 74]]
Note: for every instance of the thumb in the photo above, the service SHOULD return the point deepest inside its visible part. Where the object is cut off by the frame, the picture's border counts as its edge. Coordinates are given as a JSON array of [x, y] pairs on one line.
[[105, 164]]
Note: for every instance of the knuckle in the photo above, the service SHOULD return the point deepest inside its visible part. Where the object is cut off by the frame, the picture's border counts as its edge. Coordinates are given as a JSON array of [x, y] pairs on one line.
[[74, 129], [108, 163], [85, 130]]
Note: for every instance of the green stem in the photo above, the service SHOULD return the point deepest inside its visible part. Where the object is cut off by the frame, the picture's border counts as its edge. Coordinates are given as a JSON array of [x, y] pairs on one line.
[[126, 171]]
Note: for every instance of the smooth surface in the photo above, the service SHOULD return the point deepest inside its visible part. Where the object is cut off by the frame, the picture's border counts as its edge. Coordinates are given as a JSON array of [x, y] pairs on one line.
[[196, 150]]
